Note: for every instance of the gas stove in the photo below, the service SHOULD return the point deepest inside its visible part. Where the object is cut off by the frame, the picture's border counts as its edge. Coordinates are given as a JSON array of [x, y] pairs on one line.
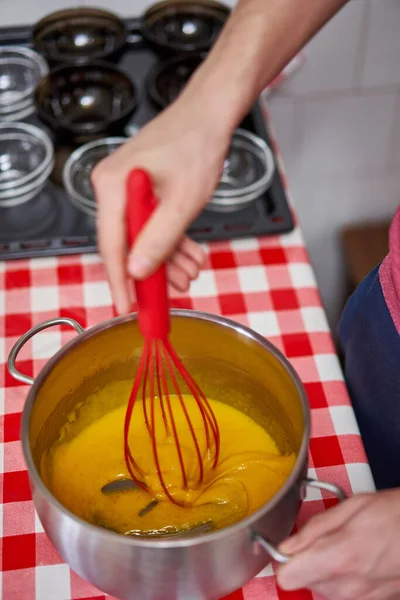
[[50, 224]]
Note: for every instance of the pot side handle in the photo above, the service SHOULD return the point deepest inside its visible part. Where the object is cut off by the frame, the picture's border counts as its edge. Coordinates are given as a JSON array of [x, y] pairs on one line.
[[274, 553], [19, 344]]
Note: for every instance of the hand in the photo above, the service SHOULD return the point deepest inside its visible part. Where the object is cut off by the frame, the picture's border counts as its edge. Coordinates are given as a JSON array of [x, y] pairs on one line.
[[183, 149], [350, 552]]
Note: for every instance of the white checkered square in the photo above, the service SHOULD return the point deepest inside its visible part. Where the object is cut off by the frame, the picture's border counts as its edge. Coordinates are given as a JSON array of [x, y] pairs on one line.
[[328, 367], [53, 582], [252, 279], [360, 478], [204, 286], [344, 420], [302, 275], [96, 294], [47, 262], [314, 319], [264, 323], [38, 524], [45, 299], [245, 244], [91, 259], [311, 492], [293, 238], [266, 572], [46, 344], [2, 302]]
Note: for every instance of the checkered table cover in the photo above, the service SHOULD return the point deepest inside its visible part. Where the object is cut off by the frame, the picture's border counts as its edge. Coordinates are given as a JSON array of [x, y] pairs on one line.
[[267, 284]]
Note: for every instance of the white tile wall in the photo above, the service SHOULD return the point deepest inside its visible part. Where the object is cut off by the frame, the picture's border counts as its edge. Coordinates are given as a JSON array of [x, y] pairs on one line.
[[325, 205], [346, 135], [333, 55], [26, 12], [382, 57], [338, 127], [287, 117], [396, 135]]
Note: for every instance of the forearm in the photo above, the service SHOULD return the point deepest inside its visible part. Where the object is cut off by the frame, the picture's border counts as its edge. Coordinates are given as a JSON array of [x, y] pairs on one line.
[[258, 40]]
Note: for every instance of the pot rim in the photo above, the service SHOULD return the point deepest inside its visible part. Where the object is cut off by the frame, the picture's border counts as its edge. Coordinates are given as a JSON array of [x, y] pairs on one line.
[[188, 540]]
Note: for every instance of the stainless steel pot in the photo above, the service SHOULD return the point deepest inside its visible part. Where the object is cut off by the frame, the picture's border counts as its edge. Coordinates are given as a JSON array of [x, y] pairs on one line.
[[231, 363]]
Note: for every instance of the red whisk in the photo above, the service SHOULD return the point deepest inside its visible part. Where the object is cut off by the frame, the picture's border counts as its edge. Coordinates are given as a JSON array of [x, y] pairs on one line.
[[160, 370]]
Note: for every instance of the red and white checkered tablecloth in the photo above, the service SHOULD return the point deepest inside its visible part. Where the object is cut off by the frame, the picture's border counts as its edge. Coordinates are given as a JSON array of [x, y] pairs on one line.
[[267, 284]]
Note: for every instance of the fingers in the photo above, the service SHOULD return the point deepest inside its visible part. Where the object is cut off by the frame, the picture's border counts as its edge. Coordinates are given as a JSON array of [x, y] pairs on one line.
[[389, 590], [193, 251], [185, 265], [323, 561], [190, 263], [111, 238], [324, 548], [351, 587], [323, 523], [349, 552], [177, 278], [161, 235], [342, 588]]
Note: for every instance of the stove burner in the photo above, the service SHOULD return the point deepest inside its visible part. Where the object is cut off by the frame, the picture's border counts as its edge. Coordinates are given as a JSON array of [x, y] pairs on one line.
[[79, 35], [80, 102], [185, 29], [188, 26], [168, 79]]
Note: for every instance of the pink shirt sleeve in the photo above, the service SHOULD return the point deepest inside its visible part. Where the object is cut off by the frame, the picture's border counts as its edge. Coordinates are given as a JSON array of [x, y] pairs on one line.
[[389, 272]]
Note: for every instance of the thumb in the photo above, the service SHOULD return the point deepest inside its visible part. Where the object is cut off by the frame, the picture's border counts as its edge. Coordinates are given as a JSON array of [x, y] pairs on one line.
[[160, 236]]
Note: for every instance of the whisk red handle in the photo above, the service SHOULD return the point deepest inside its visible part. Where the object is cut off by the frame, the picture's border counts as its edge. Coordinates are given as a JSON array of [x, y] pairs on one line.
[[151, 293]]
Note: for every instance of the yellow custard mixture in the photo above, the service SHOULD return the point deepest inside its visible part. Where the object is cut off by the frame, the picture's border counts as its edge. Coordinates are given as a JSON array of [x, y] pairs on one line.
[[249, 472]]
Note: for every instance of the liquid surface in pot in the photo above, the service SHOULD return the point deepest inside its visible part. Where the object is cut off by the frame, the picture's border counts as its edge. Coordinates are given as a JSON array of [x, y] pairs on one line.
[[89, 454]]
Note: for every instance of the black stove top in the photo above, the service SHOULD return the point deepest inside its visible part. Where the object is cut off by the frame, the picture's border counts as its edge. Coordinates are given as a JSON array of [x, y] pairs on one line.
[[51, 225]]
